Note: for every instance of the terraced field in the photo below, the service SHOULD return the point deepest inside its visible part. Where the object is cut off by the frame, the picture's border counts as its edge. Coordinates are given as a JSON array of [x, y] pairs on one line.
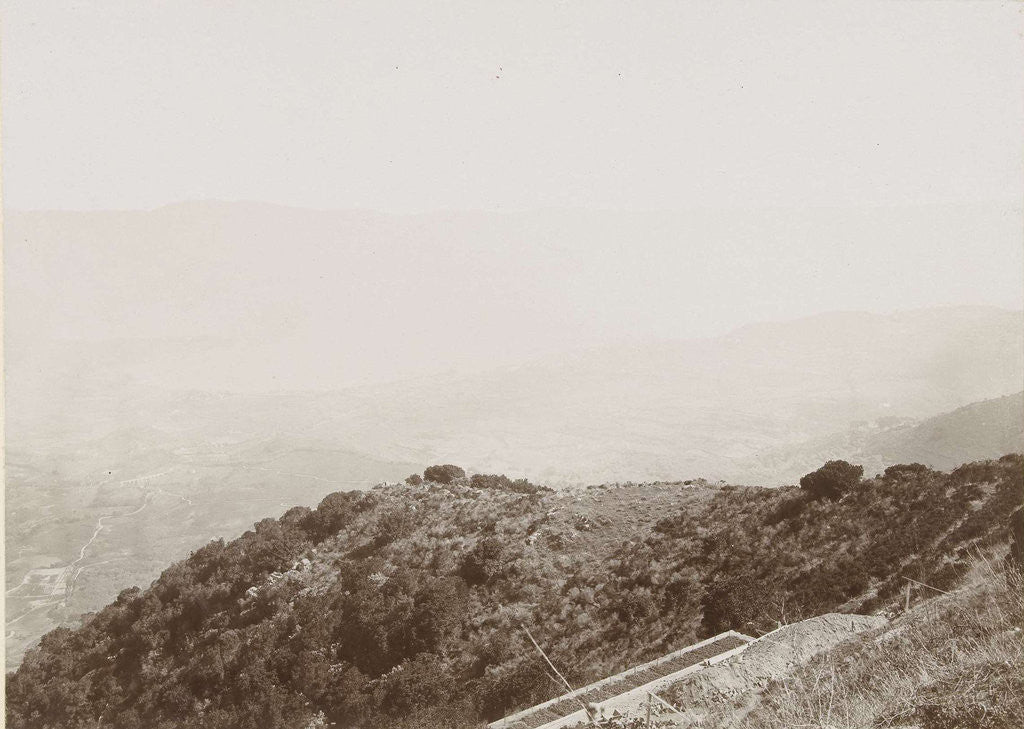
[[630, 681]]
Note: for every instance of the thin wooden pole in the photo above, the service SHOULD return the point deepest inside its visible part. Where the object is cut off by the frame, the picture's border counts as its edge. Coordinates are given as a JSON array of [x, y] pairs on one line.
[[572, 691], [928, 586], [647, 724]]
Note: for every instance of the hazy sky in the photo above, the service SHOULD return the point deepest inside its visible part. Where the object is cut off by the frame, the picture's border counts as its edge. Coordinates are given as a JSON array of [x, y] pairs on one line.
[[803, 157], [410, 106]]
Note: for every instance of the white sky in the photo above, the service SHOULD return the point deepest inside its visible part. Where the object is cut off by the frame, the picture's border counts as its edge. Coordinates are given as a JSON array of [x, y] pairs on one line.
[[804, 158], [424, 106]]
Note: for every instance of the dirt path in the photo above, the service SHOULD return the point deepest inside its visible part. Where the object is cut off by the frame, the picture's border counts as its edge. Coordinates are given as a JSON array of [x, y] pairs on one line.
[[146, 500], [100, 526], [74, 569]]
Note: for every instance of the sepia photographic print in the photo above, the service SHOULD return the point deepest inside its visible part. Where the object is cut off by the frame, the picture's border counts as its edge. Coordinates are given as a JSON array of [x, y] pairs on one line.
[[519, 365]]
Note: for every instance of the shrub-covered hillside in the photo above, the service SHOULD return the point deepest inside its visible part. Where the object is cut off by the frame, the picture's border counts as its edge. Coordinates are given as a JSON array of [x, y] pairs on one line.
[[403, 606]]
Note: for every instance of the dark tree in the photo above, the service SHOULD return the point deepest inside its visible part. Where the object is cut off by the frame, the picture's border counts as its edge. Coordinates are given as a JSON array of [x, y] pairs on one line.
[[832, 480], [905, 470], [489, 481], [414, 480], [443, 474], [488, 559], [394, 524], [739, 602], [504, 483], [334, 512]]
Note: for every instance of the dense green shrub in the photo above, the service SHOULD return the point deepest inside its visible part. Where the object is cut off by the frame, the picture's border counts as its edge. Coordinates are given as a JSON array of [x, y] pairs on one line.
[[444, 474], [832, 480], [741, 603], [489, 559], [906, 470], [504, 483]]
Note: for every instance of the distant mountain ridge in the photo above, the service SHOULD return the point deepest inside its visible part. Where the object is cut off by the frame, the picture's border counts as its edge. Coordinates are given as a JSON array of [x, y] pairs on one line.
[[974, 432], [702, 407], [324, 299], [708, 407], [287, 315]]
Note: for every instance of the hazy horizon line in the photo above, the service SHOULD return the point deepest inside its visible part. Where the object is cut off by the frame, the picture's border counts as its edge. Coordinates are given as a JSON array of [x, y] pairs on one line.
[[531, 359], [753, 322], [1010, 201]]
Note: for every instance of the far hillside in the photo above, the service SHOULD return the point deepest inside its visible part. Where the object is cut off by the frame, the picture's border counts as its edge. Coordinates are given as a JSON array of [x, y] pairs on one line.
[[708, 408], [976, 431], [979, 430]]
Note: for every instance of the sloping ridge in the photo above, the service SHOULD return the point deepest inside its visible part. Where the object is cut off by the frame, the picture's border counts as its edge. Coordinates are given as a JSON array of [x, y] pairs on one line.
[[974, 432]]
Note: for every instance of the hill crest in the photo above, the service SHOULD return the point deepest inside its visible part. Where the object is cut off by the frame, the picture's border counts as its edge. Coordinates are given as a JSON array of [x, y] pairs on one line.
[[401, 606]]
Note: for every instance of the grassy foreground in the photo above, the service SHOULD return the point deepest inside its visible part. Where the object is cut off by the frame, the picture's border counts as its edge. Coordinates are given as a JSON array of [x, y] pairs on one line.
[[954, 660]]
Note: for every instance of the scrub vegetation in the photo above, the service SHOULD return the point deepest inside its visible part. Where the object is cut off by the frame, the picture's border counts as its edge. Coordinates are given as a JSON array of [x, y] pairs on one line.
[[403, 606]]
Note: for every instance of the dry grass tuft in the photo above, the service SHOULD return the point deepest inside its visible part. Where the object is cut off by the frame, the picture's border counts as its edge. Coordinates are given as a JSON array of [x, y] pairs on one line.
[[956, 660]]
